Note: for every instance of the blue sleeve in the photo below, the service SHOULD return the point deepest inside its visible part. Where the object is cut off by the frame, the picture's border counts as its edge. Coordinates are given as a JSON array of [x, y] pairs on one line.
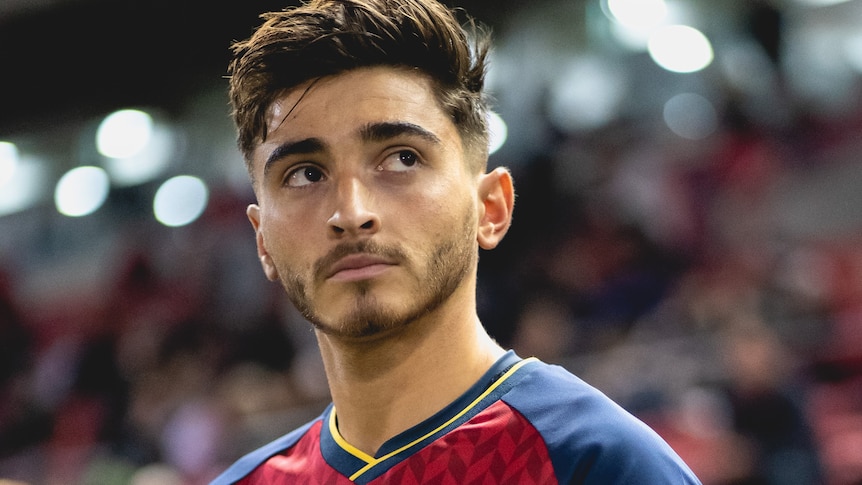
[[590, 439]]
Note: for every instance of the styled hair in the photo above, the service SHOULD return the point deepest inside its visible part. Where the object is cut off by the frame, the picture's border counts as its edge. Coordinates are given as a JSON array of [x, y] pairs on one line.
[[327, 37]]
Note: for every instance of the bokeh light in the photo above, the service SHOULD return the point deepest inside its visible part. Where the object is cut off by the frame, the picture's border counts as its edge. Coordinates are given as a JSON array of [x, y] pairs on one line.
[[8, 161], [820, 3], [124, 133], [25, 185], [585, 95], [180, 200], [498, 131], [638, 13], [853, 51], [135, 146], [81, 191], [680, 48], [690, 116]]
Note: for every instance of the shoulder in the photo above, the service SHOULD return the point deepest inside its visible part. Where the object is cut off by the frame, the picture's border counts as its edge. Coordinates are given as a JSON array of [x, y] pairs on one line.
[[590, 438], [557, 399], [248, 463]]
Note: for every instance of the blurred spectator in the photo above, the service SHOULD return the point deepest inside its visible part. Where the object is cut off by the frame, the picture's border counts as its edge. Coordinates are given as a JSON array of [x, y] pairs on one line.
[[766, 407]]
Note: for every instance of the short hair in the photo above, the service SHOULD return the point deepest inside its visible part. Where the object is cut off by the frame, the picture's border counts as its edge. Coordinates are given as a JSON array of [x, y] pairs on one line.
[[327, 37]]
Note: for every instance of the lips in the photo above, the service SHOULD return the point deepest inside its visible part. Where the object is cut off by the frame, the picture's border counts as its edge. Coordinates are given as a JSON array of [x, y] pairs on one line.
[[358, 266]]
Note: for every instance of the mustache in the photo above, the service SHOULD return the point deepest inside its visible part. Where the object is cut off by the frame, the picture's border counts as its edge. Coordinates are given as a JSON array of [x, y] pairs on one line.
[[322, 265]]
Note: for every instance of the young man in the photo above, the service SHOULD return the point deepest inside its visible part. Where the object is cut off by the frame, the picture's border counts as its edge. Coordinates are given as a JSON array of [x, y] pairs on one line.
[[363, 126]]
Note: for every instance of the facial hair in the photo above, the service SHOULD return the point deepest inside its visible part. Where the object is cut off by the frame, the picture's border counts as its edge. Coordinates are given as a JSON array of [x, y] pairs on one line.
[[450, 261]]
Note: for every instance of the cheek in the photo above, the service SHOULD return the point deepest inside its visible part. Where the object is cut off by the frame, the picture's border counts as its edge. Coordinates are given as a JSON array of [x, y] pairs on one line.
[[442, 211], [445, 194], [425, 211], [281, 237]]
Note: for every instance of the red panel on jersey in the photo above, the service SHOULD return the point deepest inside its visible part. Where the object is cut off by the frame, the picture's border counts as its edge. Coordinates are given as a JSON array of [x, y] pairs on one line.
[[497, 446]]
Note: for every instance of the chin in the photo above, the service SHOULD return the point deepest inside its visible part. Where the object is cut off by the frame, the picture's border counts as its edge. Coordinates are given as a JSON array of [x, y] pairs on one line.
[[367, 319]]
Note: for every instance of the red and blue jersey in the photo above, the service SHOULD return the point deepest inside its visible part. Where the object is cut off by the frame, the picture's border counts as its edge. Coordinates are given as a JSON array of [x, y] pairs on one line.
[[525, 422]]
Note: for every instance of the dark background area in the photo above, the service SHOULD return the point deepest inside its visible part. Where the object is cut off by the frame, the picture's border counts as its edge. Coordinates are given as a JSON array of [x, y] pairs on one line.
[[79, 58]]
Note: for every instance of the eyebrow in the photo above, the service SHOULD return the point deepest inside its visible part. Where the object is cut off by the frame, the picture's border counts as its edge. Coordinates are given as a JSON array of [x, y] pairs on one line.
[[305, 146], [386, 130]]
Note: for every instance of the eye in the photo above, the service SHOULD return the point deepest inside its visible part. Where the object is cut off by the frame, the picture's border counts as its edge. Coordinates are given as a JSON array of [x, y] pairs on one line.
[[400, 161], [302, 176]]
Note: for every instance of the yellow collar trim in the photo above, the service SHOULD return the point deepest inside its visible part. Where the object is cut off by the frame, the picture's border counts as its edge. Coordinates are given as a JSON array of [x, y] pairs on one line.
[[371, 461]]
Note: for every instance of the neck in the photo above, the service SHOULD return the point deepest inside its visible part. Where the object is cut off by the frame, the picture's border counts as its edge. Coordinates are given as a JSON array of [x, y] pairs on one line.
[[385, 386]]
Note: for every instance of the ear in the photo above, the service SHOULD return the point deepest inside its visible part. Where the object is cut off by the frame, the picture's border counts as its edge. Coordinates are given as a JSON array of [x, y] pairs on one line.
[[253, 213], [497, 195]]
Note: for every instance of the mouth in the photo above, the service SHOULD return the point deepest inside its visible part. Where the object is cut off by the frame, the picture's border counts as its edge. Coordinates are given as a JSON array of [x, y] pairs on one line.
[[356, 267]]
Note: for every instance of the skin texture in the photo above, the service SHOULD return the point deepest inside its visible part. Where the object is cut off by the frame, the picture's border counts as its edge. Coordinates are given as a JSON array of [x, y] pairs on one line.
[[370, 217]]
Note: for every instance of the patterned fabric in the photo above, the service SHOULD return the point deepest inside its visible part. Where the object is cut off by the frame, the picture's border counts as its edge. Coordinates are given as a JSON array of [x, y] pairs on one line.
[[301, 465], [495, 447]]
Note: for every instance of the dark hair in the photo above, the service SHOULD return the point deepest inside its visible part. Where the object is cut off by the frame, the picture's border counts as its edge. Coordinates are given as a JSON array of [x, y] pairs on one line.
[[326, 37]]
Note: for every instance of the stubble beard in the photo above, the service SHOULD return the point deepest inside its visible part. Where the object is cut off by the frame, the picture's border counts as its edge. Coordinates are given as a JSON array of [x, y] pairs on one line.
[[449, 264]]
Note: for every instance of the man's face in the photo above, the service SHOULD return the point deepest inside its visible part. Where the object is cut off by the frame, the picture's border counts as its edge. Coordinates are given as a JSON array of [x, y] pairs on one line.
[[366, 213]]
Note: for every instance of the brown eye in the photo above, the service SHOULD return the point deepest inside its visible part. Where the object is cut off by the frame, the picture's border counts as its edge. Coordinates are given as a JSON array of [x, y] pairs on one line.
[[400, 161], [303, 176], [408, 158]]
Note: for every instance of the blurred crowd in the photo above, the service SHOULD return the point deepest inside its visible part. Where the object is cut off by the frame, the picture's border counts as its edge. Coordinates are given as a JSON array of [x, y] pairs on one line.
[[655, 271]]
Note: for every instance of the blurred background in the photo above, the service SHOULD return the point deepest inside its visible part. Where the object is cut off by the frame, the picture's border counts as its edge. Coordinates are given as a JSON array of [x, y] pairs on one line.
[[687, 236]]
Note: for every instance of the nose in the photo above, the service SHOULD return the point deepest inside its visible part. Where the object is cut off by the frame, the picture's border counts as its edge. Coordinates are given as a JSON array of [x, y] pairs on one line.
[[353, 214]]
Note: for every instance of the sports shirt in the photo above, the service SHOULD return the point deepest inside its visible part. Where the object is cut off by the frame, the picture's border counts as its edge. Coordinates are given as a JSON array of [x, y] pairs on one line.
[[524, 422]]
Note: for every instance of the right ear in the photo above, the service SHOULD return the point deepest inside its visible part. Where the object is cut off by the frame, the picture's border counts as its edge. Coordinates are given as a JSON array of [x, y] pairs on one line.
[[253, 213]]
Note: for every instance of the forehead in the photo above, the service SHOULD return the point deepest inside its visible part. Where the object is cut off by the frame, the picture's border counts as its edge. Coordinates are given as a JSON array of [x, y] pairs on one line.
[[333, 108], [362, 87]]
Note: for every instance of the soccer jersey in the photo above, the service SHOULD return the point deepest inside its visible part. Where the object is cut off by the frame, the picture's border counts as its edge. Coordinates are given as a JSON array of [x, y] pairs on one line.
[[524, 422]]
